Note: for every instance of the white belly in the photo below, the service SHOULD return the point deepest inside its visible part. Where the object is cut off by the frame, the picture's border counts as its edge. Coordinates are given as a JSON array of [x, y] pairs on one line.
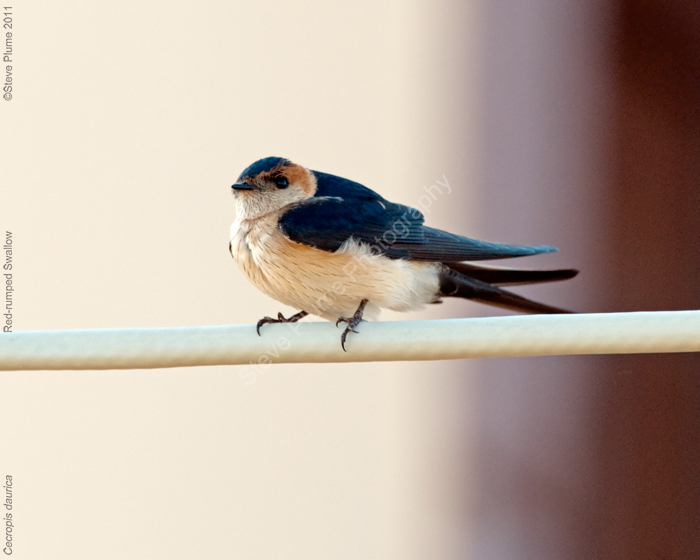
[[327, 284]]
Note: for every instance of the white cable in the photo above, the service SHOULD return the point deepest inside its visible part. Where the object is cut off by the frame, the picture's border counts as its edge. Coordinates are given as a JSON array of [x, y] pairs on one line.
[[532, 335]]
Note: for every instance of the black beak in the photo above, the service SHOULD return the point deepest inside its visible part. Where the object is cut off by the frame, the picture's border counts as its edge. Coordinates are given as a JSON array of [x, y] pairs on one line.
[[242, 187]]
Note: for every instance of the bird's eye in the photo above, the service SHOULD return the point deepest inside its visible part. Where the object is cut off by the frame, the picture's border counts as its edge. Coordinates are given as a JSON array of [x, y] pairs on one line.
[[281, 183]]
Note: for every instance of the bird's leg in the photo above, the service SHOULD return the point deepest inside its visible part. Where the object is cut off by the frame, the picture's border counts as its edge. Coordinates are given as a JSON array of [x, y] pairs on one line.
[[352, 322], [281, 319]]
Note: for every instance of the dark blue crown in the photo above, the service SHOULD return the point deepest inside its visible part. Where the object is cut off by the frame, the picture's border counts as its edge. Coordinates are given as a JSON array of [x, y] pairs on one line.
[[263, 165]]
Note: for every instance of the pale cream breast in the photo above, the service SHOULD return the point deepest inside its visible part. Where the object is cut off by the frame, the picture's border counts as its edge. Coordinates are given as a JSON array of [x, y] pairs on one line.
[[328, 284]]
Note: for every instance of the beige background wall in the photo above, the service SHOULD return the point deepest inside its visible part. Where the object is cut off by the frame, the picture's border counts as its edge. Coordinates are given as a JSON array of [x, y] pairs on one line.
[[128, 124]]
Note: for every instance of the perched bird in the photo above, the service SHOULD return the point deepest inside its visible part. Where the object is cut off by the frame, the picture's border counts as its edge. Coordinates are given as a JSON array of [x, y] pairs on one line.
[[334, 248]]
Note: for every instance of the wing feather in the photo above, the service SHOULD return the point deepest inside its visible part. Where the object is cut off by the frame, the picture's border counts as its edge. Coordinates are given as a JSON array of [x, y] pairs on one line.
[[343, 209]]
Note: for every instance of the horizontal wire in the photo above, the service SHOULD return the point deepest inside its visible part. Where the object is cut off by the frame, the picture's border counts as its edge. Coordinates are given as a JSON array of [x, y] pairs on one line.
[[532, 335]]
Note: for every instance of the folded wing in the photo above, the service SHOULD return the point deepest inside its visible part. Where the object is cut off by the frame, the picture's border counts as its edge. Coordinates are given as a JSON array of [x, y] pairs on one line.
[[343, 209]]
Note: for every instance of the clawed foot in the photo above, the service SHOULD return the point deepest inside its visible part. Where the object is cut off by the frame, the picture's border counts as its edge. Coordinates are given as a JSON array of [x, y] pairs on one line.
[[352, 322], [280, 319]]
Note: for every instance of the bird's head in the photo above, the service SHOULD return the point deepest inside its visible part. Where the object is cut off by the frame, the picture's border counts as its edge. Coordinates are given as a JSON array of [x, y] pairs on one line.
[[270, 184]]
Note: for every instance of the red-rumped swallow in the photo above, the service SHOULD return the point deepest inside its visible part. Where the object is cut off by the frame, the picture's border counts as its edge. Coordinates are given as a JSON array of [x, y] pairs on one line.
[[334, 248]]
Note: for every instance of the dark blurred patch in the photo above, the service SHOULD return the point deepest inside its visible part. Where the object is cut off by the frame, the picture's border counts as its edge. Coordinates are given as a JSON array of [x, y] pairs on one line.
[[650, 426], [598, 457]]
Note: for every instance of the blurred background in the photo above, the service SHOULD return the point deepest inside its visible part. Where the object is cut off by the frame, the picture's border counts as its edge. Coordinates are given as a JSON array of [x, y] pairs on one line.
[[574, 123]]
